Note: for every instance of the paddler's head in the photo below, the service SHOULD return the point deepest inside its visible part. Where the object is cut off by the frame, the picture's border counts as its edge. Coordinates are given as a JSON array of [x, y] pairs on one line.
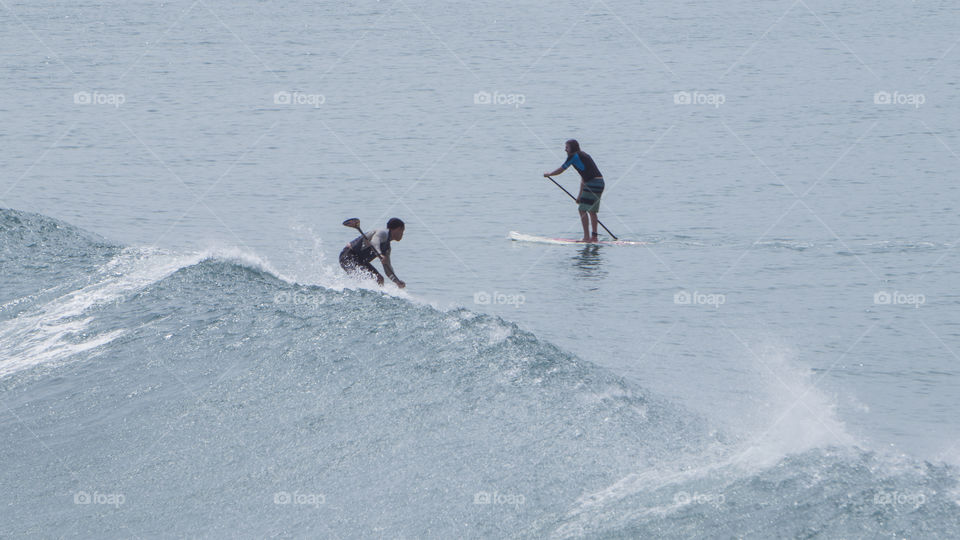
[[396, 227], [571, 146]]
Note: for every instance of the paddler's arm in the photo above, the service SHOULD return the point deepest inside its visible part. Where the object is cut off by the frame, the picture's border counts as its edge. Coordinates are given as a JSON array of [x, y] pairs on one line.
[[554, 173], [388, 270]]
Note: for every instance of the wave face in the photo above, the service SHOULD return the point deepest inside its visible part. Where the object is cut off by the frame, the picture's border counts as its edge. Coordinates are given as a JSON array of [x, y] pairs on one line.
[[148, 393]]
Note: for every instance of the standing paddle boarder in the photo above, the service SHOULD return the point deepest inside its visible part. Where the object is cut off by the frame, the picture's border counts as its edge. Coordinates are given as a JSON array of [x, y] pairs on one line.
[[356, 257], [591, 186]]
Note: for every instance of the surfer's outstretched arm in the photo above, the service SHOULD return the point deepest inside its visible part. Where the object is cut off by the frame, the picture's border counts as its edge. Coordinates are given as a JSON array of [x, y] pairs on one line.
[[388, 270]]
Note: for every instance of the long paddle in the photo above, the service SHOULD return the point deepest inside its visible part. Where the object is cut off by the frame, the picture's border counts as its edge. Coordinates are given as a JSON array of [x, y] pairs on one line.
[[574, 200]]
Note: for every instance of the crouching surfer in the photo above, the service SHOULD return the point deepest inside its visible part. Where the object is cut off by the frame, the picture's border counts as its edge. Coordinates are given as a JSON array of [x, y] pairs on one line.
[[355, 259]]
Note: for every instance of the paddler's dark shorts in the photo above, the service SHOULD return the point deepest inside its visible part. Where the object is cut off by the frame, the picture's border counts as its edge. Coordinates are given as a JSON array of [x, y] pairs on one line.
[[590, 198], [352, 265]]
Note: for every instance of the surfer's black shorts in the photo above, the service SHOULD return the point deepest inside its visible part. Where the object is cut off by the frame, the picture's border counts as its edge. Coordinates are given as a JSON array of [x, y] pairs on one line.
[[352, 264]]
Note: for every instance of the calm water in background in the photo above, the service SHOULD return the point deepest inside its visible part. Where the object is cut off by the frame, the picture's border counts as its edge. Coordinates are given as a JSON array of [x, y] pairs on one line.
[[796, 200]]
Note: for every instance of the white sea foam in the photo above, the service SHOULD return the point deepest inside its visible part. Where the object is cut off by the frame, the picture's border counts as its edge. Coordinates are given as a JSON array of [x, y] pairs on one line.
[[56, 330], [797, 417]]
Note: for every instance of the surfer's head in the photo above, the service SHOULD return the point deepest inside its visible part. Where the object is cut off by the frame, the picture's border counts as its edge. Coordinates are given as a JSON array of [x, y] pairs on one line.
[[396, 227], [572, 146]]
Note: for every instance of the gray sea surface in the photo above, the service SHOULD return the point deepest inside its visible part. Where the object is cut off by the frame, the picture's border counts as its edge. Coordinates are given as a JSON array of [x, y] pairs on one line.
[[791, 166]]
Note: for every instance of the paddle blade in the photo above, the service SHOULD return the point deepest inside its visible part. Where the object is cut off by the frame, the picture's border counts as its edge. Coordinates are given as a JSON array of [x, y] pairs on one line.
[[352, 223]]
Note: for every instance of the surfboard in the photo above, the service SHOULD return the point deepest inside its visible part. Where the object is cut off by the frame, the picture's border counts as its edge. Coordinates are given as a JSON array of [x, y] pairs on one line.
[[520, 237]]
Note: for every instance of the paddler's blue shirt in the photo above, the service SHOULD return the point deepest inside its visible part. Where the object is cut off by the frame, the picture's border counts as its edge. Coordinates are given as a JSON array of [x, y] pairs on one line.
[[584, 165]]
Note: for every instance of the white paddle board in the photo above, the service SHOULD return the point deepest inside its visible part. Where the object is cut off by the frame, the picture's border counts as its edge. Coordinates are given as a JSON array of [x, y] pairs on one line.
[[520, 237]]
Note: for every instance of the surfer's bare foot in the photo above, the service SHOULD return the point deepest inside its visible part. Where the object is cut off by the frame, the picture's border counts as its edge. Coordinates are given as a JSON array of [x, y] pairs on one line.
[[584, 240], [594, 238]]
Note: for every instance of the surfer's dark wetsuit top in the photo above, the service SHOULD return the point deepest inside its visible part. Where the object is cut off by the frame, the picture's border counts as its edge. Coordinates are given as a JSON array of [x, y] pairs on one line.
[[364, 252], [592, 179], [357, 255]]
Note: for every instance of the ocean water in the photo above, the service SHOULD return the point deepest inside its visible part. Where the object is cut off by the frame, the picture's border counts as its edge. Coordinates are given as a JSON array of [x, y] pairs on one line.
[[180, 354]]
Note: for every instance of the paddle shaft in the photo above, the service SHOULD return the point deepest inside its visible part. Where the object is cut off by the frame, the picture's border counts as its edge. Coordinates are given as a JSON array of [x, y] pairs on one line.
[[575, 200]]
